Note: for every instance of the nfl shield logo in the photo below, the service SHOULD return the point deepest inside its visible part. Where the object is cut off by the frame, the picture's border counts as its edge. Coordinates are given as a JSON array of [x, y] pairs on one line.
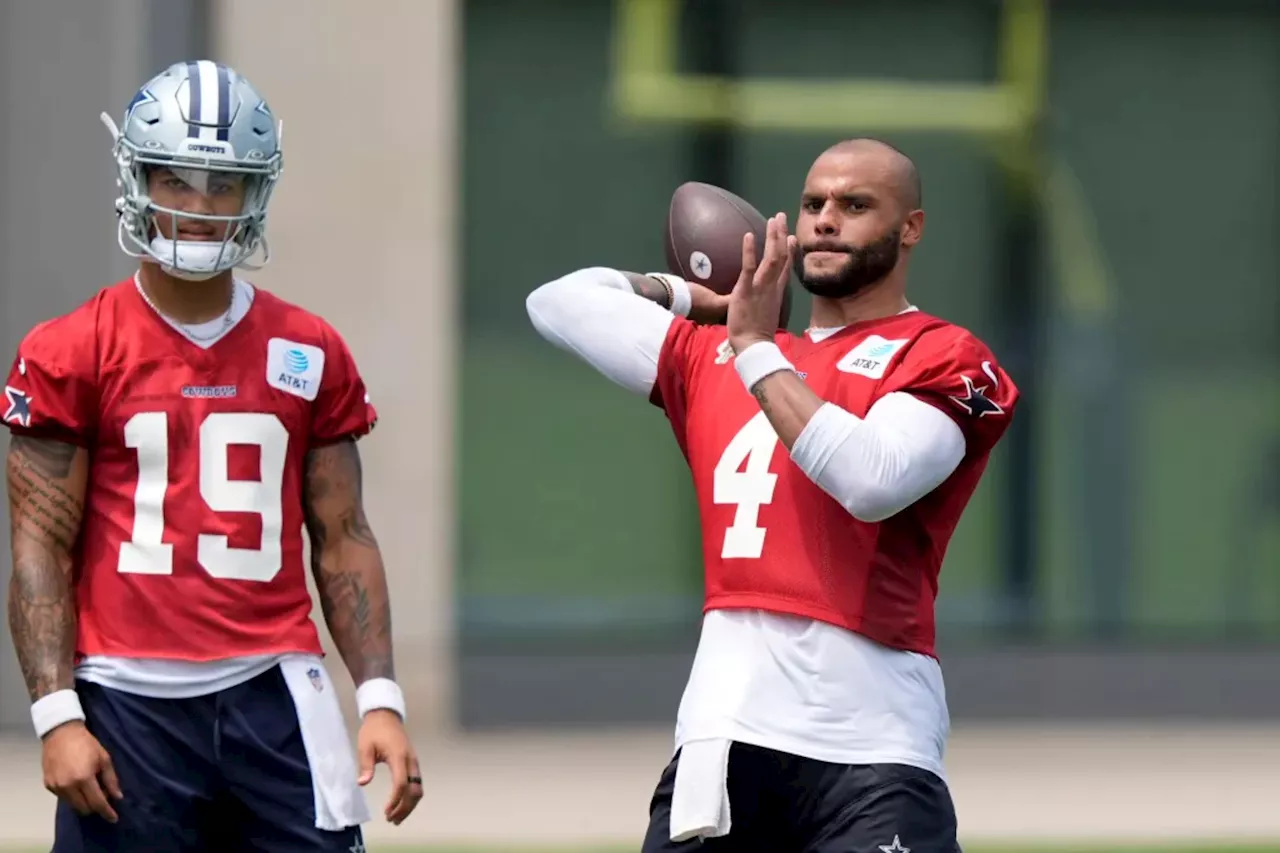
[[316, 680]]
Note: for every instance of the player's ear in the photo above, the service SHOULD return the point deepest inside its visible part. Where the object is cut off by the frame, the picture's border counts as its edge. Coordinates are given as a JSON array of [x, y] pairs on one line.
[[912, 228]]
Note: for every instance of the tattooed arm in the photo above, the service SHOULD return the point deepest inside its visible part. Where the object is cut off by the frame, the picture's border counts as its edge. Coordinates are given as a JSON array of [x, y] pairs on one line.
[[346, 562], [46, 484], [353, 595]]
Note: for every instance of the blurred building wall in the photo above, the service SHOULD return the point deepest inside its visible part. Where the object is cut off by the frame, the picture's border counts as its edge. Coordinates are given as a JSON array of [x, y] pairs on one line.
[[363, 228], [62, 62]]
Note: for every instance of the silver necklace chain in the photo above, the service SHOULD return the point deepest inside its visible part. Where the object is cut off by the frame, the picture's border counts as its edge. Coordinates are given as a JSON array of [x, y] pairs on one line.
[[185, 328]]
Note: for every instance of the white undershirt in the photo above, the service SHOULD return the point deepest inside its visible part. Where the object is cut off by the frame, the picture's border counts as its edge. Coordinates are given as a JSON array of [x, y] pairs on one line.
[[780, 681]]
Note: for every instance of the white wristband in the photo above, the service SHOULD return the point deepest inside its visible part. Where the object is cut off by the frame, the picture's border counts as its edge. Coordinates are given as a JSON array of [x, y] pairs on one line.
[[681, 296], [758, 361], [379, 694], [56, 709]]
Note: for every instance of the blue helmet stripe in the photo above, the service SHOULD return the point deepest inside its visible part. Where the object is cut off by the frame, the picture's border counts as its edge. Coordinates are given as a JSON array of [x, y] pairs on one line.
[[224, 103], [193, 104]]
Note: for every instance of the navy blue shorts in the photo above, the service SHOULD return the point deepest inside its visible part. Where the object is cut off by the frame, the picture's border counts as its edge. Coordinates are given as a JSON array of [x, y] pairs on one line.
[[215, 773], [779, 801]]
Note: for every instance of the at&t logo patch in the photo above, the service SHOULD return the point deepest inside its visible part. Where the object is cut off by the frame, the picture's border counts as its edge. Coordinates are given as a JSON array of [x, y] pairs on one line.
[[294, 368], [871, 357]]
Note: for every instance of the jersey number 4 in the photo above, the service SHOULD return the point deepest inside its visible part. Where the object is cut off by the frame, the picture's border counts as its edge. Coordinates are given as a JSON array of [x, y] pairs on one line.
[[148, 553], [742, 478]]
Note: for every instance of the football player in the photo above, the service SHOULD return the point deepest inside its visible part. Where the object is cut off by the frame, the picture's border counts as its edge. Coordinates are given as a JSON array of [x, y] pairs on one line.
[[170, 440], [831, 469]]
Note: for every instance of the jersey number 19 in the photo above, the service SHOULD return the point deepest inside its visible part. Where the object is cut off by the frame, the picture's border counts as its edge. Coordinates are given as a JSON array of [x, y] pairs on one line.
[[148, 554]]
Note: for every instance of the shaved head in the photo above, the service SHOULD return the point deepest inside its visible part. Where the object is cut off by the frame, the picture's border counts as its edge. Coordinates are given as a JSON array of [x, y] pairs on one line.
[[859, 217], [904, 176]]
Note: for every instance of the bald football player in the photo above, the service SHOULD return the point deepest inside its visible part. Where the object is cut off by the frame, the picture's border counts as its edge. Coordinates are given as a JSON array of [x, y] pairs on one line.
[[831, 469]]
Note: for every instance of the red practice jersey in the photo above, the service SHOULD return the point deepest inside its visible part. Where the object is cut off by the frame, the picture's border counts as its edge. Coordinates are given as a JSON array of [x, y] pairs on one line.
[[191, 545], [772, 539]]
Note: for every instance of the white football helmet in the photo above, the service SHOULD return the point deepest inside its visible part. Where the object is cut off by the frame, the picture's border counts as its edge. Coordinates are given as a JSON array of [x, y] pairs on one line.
[[206, 123]]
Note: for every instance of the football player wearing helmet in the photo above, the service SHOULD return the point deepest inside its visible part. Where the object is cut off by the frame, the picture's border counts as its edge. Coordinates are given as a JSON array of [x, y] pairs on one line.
[[171, 439]]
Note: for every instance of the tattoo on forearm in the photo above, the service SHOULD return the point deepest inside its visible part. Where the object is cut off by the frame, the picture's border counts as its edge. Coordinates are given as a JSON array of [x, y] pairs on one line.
[[346, 562], [45, 482], [43, 624], [762, 398], [650, 288]]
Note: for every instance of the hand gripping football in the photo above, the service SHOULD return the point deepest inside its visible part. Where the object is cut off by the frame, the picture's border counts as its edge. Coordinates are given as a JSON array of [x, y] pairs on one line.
[[705, 226]]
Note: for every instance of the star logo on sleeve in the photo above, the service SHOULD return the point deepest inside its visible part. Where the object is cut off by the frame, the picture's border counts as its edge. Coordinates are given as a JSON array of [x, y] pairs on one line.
[[895, 847], [18, 409], [975, 400]]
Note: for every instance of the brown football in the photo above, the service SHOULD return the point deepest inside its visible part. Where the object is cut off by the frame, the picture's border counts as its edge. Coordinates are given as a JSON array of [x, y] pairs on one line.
[[705, 225]]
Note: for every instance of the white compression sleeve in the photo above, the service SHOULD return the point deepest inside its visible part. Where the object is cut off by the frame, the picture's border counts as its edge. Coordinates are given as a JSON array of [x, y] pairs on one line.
[[879, 465], [594, 314]]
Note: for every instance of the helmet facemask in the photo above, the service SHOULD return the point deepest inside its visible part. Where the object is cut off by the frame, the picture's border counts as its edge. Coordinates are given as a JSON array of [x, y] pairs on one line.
[[140, 236]]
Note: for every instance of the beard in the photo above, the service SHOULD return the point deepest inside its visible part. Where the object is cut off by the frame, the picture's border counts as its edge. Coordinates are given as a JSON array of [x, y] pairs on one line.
[[864, 266]]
